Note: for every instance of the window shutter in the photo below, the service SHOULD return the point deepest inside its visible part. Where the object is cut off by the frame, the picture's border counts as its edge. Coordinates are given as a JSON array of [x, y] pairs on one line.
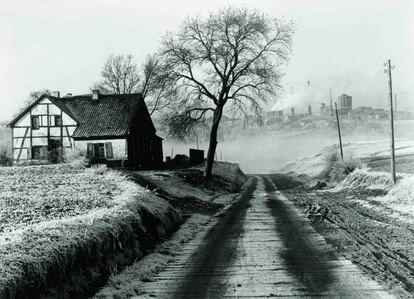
[[35, 122], [108, 150], [89, 150], [58, 120]]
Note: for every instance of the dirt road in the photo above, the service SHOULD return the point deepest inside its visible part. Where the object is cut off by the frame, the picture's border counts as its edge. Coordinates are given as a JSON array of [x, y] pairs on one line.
[[262, 247]]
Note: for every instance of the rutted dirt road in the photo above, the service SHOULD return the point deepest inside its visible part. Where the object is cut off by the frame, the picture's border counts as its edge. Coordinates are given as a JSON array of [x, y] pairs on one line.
[[261, 247]]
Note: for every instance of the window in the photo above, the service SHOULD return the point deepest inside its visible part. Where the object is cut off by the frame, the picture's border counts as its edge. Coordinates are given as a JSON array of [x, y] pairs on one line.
[[39, 152], [58, 120], [99, 150], [35, 122], [108, 150], [96, 150]]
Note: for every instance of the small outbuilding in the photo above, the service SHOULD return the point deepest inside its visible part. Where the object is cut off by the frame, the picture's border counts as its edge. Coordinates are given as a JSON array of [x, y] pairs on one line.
[[108, 128]]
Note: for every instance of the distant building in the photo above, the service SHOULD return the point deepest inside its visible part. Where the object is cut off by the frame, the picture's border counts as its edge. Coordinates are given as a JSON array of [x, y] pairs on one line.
[[365, 109], [344, 103], [324, 109], [274, 116], [380, 114], [361, 113]]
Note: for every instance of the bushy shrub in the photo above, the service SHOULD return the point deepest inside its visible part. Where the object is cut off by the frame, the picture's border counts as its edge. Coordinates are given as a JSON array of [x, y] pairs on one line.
[[76, 158], [5, 157], [337, 169]]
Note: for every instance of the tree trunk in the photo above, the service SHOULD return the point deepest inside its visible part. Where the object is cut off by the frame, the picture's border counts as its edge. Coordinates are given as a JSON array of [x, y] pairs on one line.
[[213, 142]]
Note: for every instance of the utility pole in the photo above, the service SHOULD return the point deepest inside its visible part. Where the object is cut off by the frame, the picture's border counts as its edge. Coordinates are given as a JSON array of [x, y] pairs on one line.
[[339, 131], [388, 70], [197, 140]]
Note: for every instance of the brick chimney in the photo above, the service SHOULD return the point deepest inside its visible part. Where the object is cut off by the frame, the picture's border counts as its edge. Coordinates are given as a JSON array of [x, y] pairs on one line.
[[56, 94], [95, 94]]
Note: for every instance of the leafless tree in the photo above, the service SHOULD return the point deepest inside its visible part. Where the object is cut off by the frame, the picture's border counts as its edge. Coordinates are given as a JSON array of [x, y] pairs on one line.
[[157, 85], [120, 75], [232, 57], [33, 96]]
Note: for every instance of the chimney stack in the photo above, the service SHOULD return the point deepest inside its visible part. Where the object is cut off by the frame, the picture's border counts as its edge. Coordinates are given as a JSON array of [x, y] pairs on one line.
[[56, 94], [309, 109], [292, 110], [95, 94]]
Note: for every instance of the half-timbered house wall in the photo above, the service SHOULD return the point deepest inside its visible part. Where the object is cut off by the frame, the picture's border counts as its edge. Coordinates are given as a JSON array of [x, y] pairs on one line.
[[105, 128], [43, 127]]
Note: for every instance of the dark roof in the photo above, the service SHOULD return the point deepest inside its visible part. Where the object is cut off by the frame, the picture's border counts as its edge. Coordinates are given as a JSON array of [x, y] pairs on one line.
[[109, 116]]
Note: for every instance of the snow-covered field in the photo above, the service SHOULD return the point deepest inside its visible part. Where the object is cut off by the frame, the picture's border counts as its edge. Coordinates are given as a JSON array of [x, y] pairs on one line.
[[399, 201], [370, 150], [33, 194], [55, 218]]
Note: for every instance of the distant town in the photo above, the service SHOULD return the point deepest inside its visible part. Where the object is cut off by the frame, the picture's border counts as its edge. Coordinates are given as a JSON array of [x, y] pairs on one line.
[[345, 110]]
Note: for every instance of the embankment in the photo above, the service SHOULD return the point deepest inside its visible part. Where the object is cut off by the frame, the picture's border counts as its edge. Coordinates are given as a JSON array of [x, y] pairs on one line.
[[74, 256]]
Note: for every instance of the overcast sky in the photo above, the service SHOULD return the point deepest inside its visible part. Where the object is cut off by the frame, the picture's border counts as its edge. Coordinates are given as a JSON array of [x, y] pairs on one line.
[[62, 45]]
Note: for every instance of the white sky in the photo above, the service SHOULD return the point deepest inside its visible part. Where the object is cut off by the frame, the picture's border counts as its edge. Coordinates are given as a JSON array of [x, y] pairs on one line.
[[62, 45]]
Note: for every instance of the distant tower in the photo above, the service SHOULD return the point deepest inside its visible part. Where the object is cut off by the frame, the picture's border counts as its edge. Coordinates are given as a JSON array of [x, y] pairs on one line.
[[331, 105], [292, 110]]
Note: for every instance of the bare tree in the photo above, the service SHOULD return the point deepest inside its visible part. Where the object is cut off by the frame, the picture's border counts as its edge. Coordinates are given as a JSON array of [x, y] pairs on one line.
[[157, 85], [33, 96], [233, 56], [120, 75]]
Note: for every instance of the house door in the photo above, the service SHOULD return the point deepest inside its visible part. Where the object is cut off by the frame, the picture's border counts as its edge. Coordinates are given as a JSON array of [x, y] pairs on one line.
[[55, 147]]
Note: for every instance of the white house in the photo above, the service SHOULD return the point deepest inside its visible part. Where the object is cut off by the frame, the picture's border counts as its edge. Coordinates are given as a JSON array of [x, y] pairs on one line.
[[106, 127]]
